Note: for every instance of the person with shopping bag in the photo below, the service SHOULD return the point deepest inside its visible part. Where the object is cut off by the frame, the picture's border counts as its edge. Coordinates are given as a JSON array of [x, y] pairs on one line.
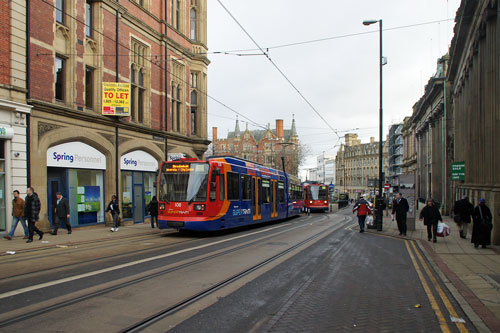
[[363, 209], [431, 216]]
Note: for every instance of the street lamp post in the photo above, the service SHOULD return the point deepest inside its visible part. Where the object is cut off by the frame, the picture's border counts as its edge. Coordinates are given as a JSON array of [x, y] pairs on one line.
[[378, 204]]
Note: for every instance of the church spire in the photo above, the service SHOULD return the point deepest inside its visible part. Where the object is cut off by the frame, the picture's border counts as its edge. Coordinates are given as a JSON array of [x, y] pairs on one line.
[[294, 129], [237, 132]]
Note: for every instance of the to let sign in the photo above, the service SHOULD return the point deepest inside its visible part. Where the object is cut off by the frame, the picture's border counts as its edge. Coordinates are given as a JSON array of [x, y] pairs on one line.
[[116, 99], [458, 171]]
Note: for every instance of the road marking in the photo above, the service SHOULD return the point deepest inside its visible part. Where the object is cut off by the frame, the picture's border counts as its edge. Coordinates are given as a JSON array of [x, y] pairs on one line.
[[109, 269], [461, 327], [442, 321]]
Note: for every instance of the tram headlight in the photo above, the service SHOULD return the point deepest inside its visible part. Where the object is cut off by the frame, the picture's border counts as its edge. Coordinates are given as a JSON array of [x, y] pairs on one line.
[[326, 201], [162, 206], [310, 202], [199, 207]]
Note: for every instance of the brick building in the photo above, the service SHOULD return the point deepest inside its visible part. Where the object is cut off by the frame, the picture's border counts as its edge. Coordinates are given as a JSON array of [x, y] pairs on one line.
[[263, 146], [74, 47]]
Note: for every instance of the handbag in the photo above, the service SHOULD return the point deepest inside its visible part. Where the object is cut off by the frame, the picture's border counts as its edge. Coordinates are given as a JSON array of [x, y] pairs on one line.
[[457, 218], [485, 225]]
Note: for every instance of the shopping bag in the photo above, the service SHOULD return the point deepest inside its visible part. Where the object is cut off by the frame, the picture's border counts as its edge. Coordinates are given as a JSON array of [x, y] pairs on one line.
[[369, 220], [443, 230]]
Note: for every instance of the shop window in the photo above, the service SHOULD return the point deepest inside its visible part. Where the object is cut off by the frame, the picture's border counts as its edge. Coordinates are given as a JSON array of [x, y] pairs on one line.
[[149, 188], [233, 186], [246, 187], [89, 193], [126, 194]]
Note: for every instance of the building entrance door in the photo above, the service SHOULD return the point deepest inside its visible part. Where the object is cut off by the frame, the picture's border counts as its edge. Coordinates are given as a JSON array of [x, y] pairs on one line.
[[138, 203]]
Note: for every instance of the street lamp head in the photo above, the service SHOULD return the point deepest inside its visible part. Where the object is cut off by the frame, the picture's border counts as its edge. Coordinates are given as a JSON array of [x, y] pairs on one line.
[[368, 22]]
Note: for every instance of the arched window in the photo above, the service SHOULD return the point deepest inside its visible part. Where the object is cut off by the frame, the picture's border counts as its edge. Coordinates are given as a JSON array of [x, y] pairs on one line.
[[193, 22]]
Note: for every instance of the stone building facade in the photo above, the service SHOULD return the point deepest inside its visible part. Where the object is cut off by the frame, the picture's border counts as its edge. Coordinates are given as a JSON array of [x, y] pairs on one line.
[[14, 112], [431, 127], [474, 76], [74, 47], [266, 147], [357, 166]]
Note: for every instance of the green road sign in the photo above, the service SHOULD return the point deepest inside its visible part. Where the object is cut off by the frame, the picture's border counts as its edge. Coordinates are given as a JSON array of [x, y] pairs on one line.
[[458, 171]]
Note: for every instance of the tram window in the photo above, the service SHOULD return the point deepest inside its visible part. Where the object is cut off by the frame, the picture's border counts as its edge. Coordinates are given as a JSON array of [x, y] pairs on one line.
[[281, 192], [233, 186], [222, 190], [213, 186], [266, 191], [246, 189]]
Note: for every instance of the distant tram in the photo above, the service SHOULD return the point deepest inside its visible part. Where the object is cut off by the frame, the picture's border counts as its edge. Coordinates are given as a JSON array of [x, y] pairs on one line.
[[224, 192], [316, 197]]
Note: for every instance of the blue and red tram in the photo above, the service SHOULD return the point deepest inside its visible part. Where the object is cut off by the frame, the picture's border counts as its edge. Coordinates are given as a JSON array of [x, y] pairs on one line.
[[316, 197], [223, 193]]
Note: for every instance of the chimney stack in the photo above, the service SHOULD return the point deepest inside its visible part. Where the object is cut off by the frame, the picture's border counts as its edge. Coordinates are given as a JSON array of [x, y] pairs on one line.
[[279, 129], [214, 134], [372, 139]]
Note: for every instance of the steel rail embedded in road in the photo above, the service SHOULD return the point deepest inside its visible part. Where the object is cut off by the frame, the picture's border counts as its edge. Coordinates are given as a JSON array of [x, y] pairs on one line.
[[188, 301]]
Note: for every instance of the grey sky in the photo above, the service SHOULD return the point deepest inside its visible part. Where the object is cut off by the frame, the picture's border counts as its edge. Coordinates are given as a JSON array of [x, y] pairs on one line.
[[339, 76]]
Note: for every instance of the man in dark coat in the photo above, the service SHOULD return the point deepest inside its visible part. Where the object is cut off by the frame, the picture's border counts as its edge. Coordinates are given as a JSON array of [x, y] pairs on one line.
[[483, 223], [431, 216], [61, 213], [463, 209], [400, 207], [31, 213]]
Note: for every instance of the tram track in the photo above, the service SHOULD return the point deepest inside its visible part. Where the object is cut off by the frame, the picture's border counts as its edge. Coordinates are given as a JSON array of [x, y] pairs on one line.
[[76, 251], [83, 295], [140, 325]]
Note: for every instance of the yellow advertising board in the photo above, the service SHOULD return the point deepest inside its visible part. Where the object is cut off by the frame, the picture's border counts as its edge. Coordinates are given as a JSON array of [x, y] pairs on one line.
[[116, 99]]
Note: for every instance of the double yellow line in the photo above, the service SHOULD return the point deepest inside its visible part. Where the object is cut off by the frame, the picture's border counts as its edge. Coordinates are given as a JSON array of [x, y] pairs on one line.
[[418, 262]]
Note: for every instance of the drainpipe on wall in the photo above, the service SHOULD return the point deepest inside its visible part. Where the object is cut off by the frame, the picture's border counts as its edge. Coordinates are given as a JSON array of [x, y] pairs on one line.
[[28, 96], [117, 78], [166, 82]]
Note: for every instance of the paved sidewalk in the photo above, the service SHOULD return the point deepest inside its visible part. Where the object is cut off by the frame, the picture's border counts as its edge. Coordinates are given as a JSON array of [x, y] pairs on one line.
[[472, 275], [79, 236]]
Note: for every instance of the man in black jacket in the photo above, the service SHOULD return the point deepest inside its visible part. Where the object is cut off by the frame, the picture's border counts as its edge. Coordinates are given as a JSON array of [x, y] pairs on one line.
[[61, 213], [464, 209], [31, 213], [400, 207]]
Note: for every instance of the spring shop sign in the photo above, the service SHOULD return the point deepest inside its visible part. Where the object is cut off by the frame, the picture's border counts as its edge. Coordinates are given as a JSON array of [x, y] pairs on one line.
[[75, 155]]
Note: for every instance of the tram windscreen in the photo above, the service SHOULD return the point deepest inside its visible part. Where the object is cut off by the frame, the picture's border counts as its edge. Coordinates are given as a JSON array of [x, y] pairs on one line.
[[184, 182], [318, 192]]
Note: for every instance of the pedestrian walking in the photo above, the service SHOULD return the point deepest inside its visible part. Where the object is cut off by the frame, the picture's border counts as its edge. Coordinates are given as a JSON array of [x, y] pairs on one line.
[[362, 207], [61, 213], [431, 216], [400, 207], [114, 209], [153, 211], [463, 210], [31, 213], [481, 230], [17, 216]]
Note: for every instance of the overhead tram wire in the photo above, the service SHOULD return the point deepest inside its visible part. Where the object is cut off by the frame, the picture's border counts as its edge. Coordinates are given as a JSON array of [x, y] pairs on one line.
[[159, 66], [279, 70], [318, 40]]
